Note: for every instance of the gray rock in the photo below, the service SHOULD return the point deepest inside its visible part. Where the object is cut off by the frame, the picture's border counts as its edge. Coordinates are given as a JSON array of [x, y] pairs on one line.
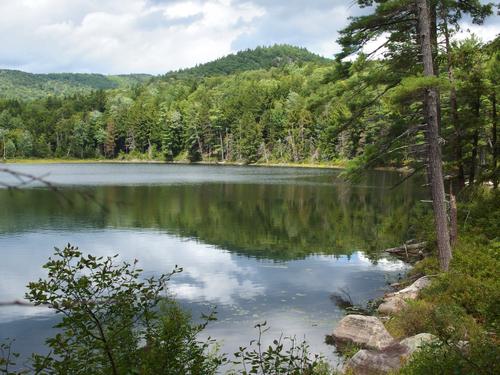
[[395, 302], [412, 291], [391, 305], [413, 343], [365, 331], [389, 359], [371, 362]]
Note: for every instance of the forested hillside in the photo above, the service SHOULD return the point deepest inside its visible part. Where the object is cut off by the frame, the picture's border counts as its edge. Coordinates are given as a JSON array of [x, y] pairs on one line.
[[15, 84], [252, 59], [299, 111]]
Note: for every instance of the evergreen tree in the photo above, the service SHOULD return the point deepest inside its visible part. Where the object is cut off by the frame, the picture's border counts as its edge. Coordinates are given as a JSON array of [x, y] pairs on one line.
[[249, 139], [171, 134]]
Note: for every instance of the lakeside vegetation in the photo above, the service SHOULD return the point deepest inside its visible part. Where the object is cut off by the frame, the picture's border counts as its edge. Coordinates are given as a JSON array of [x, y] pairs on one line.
[[337, 164], [461, 307]]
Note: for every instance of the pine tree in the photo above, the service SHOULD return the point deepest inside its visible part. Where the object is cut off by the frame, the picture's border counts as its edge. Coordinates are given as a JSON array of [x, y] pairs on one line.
[[171, 134], [249, 139]]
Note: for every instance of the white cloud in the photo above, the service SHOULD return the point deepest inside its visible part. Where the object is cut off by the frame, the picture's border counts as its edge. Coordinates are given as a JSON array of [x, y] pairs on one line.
[[209, 274], [113, 36], [486, 32], [182, 10], [155, 36]]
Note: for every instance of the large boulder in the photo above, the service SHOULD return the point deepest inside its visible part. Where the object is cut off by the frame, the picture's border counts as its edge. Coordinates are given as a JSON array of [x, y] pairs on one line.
[[395, 302], [373, 362], [389, 359], [365, 331]]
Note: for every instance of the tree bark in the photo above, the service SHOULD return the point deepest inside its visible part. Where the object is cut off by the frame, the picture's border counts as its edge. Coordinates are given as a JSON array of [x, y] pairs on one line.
[[475, 142], [435, 169], [434, 45], [453, 218], [494, 140], [221, 145], [453, 103]]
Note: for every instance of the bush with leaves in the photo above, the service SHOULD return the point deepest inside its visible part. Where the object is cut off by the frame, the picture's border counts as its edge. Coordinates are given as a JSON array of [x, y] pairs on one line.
[[111, 321], [7, 357], [285, 355], [478, 357], [177, 348]]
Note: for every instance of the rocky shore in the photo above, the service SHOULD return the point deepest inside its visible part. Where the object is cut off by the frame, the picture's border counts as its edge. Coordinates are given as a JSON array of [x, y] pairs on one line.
[[380, 353]]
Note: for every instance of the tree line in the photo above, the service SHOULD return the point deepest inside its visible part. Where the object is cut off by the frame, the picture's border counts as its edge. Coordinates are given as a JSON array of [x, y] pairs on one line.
[[297, 112]]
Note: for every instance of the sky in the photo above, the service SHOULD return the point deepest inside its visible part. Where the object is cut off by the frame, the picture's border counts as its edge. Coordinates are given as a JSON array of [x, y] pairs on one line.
[[156, 36]]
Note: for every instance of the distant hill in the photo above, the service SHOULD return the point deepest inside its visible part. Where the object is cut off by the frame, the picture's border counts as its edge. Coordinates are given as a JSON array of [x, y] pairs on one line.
[[22, 85], [251, 59], [26, 86]]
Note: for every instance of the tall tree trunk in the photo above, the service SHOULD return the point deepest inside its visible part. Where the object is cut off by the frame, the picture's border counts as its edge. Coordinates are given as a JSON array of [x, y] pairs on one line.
[[432, 136], [473, 159], [453, 103], [475, 142], [434, 45], [221, 145], [494, 140], [453, 217]]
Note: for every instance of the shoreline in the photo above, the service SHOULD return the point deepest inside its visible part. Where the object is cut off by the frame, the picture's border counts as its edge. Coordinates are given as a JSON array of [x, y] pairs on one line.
[[339, 165]]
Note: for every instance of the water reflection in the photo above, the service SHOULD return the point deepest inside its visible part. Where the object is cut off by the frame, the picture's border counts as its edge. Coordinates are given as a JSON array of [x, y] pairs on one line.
[[293, 296], [261, 244], [261, 215]]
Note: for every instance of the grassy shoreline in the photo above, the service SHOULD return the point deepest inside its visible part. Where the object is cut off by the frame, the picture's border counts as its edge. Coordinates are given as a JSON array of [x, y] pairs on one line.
[[340, 164], [337, 165]]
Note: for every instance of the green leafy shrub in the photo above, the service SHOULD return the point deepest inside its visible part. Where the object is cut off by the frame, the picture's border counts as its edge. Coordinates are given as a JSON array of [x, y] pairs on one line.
[[460, 306], [7, 357], [472, 282], [479, 213], [479, 357], [177, 348], [111, 323], [413, 319], [285, 355]]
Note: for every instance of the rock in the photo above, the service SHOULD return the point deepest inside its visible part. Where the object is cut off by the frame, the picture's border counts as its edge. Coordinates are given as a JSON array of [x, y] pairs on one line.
[[390, 359], [370, 362], [415, 342], [463, 346], [412, 291], [395, 302], [391, 305], [366, 331]]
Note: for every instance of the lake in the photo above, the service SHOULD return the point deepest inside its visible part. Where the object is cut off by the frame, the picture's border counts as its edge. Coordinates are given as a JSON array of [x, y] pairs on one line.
[[260, 244]]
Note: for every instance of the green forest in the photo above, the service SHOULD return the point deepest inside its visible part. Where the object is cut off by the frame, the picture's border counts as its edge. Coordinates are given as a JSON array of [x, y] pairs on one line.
[[18, 85], [275, 104]]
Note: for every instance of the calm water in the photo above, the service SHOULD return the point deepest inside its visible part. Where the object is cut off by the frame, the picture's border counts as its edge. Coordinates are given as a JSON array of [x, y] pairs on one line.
[[259, 243]]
